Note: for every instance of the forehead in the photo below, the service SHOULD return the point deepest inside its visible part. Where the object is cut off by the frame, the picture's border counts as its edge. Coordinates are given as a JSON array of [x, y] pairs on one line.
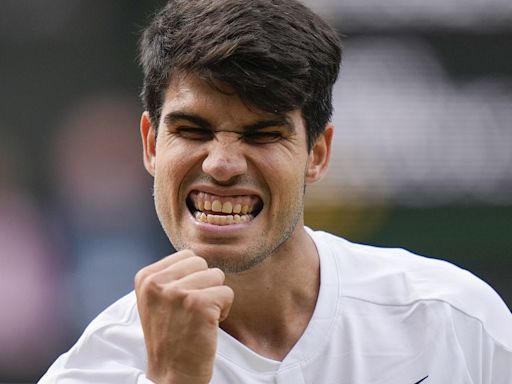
[[217, 103]]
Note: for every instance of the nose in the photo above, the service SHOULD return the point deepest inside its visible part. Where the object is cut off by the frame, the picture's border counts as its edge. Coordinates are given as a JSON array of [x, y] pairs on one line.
[[225, 160]]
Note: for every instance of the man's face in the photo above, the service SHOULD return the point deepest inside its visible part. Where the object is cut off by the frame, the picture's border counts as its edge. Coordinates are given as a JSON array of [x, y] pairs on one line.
[[228, 181]]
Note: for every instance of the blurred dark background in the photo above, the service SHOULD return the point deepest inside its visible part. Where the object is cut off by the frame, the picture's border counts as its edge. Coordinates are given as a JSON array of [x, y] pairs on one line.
[[422, 157]]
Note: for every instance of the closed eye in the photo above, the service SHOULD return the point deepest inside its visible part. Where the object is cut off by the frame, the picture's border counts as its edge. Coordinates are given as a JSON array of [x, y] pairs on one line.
[[194, 133], [262, 137]]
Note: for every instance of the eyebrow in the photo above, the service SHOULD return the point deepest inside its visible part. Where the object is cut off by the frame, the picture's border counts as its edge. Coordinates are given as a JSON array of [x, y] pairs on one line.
[[173, 117], [279, 121]]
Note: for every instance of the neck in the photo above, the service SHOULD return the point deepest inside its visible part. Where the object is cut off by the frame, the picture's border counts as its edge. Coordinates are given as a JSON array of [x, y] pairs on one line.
[[275, 300]]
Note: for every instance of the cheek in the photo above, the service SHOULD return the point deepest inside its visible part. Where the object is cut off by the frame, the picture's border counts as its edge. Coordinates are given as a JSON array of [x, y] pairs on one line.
[[166, 180], [284, 174], [174, 161]]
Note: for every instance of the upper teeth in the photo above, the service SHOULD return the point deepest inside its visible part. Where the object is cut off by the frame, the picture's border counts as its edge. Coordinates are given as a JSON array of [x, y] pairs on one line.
[[240, 204], [223, 210], [226, 207]]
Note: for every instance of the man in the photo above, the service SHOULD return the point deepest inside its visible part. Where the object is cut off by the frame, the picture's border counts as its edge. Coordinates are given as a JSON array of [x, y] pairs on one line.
[[238, 100]]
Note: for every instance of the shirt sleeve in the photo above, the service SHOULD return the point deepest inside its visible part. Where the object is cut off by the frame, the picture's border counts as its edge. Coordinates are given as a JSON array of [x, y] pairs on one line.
[[83, 376], [111, 350], [487, 348]]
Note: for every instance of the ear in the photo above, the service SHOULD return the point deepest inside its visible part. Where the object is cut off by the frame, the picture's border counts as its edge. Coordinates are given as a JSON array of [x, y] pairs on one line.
[[319, 156], [147, 133]]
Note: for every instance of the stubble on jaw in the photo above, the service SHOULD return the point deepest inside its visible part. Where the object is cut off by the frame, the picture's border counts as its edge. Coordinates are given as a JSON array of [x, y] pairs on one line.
[[259, 254], [252, 256]]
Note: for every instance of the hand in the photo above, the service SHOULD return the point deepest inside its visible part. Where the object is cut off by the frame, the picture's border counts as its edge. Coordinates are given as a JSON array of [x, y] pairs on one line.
[[181, 302]]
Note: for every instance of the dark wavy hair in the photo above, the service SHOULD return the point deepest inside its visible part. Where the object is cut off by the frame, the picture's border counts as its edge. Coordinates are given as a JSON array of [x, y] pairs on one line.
[[277, 55]]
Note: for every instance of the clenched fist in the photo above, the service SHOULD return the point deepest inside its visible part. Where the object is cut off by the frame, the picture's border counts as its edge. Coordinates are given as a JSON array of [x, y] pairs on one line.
[[181, 302]]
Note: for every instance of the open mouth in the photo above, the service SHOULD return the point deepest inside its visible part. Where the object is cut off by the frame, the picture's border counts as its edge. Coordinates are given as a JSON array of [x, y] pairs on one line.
[[223, 210]]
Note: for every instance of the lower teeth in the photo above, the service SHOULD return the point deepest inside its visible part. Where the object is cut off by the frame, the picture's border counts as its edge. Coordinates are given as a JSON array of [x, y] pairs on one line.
[[222, 219]]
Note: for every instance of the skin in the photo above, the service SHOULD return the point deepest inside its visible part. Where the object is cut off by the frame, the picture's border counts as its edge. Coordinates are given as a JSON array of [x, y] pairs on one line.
[[253, 277]]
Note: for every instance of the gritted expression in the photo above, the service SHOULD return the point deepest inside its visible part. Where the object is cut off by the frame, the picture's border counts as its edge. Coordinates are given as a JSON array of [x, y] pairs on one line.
[[228, 180]]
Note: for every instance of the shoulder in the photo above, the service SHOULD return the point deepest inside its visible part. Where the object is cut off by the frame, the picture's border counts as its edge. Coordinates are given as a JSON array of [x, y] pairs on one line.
[[114, 337], [123, 311], [397, 277], [119, 323]]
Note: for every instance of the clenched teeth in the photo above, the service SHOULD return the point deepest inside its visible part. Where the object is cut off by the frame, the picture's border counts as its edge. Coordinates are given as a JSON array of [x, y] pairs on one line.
[[223, 210], [222, 219], [226, 207]]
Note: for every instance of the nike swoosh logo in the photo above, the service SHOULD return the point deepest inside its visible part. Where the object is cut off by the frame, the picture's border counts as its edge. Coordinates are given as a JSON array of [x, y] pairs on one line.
[[418, 382]]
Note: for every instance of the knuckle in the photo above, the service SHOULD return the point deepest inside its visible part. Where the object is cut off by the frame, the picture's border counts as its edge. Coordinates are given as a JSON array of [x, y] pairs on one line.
[[199, 262], [226, 296], [217, 276], [149, 287], [140, 277], [174, 292], [230, 294], [194, 301], [220, 273], [185, 252]]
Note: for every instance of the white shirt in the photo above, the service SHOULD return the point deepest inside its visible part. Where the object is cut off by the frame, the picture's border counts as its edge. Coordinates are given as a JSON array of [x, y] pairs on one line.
[[383, 316]]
